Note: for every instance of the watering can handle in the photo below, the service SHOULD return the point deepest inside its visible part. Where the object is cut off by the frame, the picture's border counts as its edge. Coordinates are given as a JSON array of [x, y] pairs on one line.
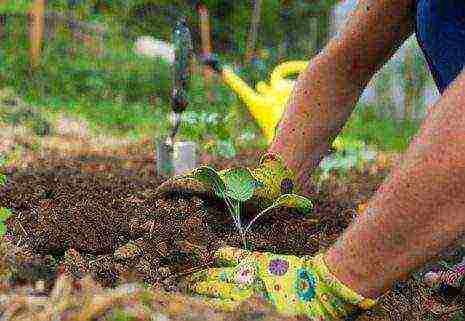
[[286, 69]]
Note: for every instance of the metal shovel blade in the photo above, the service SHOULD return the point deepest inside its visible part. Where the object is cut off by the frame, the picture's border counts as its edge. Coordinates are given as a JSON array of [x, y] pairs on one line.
[[176, 159]]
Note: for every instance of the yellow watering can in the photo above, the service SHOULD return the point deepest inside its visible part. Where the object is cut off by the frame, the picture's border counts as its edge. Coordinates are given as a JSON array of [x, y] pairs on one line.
[[267, 102]]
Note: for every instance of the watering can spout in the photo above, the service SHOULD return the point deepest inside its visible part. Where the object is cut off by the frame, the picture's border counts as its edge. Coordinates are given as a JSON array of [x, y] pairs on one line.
[[243, 90], [268, 103]]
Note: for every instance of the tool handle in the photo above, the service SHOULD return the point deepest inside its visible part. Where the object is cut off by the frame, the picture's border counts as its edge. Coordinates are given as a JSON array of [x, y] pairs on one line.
[[182, 41]]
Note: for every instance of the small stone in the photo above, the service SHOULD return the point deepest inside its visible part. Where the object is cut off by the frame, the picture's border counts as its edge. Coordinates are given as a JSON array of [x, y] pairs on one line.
[[40, 286], [159, 317], [162, 249], [164, 271], [131, 250], [198, 202]]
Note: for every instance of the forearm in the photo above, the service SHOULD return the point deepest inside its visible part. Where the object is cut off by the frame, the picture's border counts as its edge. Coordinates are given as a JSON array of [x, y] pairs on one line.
[[326, 93], [417, 212], [317, 110]]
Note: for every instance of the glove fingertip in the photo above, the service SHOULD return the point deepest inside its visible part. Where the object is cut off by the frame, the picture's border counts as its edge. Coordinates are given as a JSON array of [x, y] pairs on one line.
[[231, 255]]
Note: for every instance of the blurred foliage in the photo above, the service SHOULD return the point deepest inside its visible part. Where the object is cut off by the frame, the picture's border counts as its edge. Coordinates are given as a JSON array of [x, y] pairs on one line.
[[2, 175], [126, 93], [386, 134], [15, 6], [120, 91], [5, 213], [71, 72], [15, 112], [229, 19]]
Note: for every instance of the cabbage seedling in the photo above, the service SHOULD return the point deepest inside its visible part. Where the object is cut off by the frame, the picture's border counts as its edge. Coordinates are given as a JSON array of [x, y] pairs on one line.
[[236, 186]]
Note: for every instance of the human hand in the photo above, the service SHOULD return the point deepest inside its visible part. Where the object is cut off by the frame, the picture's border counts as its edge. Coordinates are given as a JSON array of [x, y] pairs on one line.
[[276, 180], [295, 286]]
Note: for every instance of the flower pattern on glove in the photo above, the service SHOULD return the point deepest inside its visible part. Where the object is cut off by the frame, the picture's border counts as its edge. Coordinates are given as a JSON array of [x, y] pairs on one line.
[[246, 274], [278, 267], [294, 285], [305, 285]]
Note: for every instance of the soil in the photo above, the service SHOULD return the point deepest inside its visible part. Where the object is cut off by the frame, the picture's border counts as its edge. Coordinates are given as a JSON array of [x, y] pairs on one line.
[[97, 215]]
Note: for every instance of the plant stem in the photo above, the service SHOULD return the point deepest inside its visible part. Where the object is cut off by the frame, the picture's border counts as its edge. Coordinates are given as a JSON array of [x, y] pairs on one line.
[[230, 208], [241, 230], [234, 208], [256, 218]]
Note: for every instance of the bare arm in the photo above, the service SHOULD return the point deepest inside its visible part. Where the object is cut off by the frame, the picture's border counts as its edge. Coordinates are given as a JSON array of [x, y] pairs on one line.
[[418, 211], [326, 93]]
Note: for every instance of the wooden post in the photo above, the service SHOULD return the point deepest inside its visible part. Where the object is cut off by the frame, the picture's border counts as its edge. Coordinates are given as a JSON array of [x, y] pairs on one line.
[[205, 36], [2, 22], [2, 25], [281, 32], [252, 39], [205, 29], [36, 31]]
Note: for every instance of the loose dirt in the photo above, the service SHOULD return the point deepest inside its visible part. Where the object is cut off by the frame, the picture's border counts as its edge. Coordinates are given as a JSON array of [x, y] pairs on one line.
[[98, 216]]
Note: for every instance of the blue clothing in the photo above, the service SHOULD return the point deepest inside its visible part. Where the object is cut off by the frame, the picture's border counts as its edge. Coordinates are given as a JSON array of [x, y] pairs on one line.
[[440, 30]]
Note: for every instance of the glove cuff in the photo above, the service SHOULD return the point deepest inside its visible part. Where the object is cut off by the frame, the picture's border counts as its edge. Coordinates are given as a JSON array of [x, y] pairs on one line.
[[339, 288]]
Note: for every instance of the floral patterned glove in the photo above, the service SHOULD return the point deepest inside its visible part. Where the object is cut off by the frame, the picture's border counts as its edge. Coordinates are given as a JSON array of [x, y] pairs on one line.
[[295, 286], [271, 171]]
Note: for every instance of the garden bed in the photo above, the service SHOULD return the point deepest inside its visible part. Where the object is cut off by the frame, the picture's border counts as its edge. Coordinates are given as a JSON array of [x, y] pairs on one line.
[[98, 216]]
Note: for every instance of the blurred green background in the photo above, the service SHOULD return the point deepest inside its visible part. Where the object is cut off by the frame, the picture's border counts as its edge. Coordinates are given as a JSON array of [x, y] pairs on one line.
[[89, 68]]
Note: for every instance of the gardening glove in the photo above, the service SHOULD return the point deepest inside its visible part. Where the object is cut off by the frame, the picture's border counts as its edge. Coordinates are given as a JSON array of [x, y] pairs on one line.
[[295, 286], [276, 180]]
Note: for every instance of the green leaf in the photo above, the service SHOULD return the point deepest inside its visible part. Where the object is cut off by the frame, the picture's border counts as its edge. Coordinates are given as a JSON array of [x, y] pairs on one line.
[[208, 175], [289, 200], [240, 184], [292, 200], [4, 214]]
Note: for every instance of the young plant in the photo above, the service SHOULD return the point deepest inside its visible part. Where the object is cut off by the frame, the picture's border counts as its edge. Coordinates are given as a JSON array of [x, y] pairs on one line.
[[2, 179], [4, 212], [237, 186]]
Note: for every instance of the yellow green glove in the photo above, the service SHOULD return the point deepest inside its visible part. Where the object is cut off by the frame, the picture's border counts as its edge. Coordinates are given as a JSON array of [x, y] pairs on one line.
[[271, 172], [295, 286]]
